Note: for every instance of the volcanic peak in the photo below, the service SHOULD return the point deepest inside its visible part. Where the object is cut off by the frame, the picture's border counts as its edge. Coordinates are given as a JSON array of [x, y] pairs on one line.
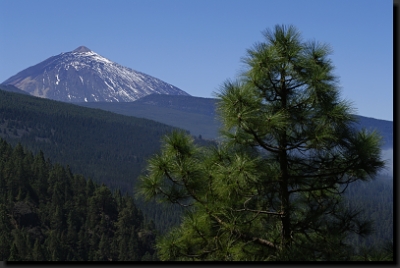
[[82, 49]]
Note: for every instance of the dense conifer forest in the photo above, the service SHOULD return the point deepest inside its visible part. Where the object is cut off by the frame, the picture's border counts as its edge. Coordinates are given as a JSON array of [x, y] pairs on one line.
[[49, 213], [104, 146]]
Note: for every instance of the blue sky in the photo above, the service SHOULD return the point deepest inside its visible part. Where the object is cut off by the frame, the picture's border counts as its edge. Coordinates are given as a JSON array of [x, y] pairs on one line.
[[197, 44]]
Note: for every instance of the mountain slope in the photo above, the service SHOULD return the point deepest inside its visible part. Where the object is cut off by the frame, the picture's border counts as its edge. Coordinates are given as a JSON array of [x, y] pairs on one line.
[[70, 134], [194, 114], [199, 116], [11, 88], [84, 76]]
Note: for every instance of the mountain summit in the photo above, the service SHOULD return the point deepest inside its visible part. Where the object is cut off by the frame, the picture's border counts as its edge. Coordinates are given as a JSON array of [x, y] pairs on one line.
[[82, 49], [84, 76]]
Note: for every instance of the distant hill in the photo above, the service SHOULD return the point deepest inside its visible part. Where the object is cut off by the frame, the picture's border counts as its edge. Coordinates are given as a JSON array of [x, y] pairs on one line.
[[11, 88], [194, 114], [384, 128], [198, 115], [83, 75]]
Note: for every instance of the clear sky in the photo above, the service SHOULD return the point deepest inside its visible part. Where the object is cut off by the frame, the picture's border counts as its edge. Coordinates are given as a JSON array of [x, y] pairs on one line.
[[197, 44]]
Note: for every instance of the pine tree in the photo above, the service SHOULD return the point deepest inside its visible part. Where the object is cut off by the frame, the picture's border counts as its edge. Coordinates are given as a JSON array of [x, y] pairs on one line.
[[125, 238], [54, 246], [90, 187], [14, 254], [22, 242], [103, 253], [83, 245], [272, 188], [38, 254], [56, 222], [5, 233], [41, 172]]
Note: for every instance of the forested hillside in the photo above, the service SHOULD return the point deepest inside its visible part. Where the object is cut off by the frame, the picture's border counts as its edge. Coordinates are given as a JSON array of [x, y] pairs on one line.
[[106, 147], [47, 213], [191, 113], [375, 198]]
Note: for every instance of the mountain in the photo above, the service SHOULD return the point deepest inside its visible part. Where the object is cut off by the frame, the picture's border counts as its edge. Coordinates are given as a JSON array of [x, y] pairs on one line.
[[84, 76]]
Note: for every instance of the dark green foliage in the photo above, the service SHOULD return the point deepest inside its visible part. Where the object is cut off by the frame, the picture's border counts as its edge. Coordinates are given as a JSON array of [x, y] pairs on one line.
[[49, 214], [69, 134], [5, 232], [38, 252], [14, 255]]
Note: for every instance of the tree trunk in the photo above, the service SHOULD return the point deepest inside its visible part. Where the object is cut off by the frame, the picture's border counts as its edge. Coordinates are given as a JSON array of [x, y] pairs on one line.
[[284, 181], [285, 204]]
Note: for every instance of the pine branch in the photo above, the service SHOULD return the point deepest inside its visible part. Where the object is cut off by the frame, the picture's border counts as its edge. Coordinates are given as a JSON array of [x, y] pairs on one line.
[[261, 142], [246, 237], [257, 211]]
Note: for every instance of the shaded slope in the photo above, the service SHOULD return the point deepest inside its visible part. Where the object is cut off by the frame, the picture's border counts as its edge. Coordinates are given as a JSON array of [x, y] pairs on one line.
[[198, 115], [194, 114], [108, 147]]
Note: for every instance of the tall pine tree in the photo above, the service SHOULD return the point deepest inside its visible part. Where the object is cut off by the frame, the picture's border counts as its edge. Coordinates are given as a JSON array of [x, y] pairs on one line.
[[272, 188]]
